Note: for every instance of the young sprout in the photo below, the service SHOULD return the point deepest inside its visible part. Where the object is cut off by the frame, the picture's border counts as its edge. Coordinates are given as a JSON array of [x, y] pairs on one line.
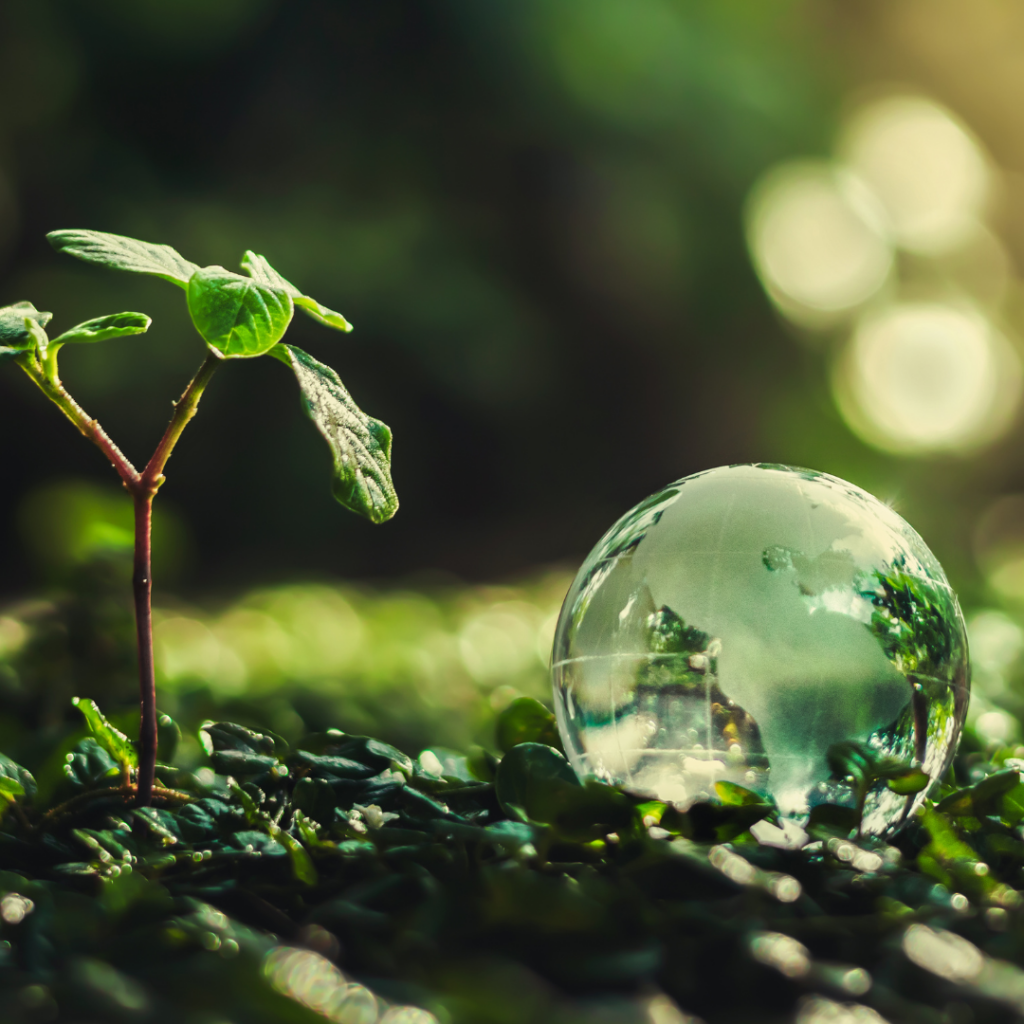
[[239, 316]]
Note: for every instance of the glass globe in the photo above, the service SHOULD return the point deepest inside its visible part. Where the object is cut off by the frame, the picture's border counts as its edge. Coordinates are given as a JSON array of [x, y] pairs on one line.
[[755, 625]]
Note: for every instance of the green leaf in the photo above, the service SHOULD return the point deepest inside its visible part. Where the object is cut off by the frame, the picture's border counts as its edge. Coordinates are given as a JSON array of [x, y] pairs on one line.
[[850, 758], [223, 736], [16, 776], [116, 325], [982, 798], [526, 720], [263, 273], [238, 762], [112, 740], [10, 788], [361, 445], [913, 780], [830, 821], [733, 795], [534, 778], [123, 253], [15, 335], [236, 316], [89, 765], [316, 798], [168, 734], [302, 865]]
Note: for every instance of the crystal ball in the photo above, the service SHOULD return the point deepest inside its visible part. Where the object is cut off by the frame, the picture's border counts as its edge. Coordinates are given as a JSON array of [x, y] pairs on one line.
[[752, 625]]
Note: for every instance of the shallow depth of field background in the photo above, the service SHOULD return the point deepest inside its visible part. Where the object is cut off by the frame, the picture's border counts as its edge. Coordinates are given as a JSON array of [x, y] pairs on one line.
[[589, 246]]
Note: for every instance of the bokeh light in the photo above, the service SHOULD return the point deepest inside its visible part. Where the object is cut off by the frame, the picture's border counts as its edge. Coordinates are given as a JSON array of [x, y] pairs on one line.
[[928, 377], [925, 167], [996, 641], [817, 240], [420, 667], [314, 982], [999, 546]]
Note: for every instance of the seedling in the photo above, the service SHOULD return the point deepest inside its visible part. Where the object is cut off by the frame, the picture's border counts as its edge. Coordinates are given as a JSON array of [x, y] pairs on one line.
[[238, 316]]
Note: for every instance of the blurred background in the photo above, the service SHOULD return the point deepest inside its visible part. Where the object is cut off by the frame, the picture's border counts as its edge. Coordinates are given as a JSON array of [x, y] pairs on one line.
[[588, 248]]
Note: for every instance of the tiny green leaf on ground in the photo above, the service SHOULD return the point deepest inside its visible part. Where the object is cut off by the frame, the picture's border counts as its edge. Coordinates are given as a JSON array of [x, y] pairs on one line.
[[121, 253], [237, 316], [360, 445], [534, 778], [13, 777], [546, 901], [526, 720], [908, 782], [110, 738], [116, 325], [261, 271]]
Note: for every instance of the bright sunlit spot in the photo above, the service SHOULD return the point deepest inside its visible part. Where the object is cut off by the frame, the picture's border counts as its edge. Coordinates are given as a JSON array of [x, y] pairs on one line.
[[922, 377], [925, 167], [817, 242]]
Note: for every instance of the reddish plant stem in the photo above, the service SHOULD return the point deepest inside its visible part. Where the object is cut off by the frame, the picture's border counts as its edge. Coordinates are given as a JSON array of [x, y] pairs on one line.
[[143, 491], [142, 587], [51, 386], [142, 487]]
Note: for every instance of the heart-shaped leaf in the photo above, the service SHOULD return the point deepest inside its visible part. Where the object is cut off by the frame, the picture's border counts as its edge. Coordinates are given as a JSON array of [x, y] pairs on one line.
[[361, 445], [123, 253], [15, 335], [261, 271], [116, 325], [237, 316]]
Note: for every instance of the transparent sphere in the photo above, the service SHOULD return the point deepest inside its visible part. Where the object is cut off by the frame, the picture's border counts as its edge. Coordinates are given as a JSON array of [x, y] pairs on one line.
[[756, 624]]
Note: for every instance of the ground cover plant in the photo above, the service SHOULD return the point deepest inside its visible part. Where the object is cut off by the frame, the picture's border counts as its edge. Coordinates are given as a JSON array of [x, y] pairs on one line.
[[218, 872], [341, 878]]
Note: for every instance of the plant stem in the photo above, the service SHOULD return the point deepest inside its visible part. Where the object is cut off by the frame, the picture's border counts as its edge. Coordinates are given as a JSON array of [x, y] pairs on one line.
[[184, 410], [143, 491], [142, 487], [142, 589], [49, 383]]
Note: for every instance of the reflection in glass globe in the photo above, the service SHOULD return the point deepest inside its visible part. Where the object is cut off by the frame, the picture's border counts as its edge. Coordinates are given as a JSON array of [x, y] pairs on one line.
[[748, 624]]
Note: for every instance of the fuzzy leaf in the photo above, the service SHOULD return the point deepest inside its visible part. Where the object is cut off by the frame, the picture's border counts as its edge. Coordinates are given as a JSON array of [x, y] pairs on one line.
[[237, 316], [361, 445], [262, 272], [111, 739], [116, 325], [123, 253]]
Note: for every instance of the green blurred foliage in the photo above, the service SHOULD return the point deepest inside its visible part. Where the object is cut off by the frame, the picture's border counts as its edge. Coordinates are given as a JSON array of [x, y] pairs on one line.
[[516, 204], [421, 666]]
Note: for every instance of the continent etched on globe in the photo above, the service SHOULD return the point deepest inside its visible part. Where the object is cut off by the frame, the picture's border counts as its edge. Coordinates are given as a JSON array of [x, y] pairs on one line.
[[751, 623]]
